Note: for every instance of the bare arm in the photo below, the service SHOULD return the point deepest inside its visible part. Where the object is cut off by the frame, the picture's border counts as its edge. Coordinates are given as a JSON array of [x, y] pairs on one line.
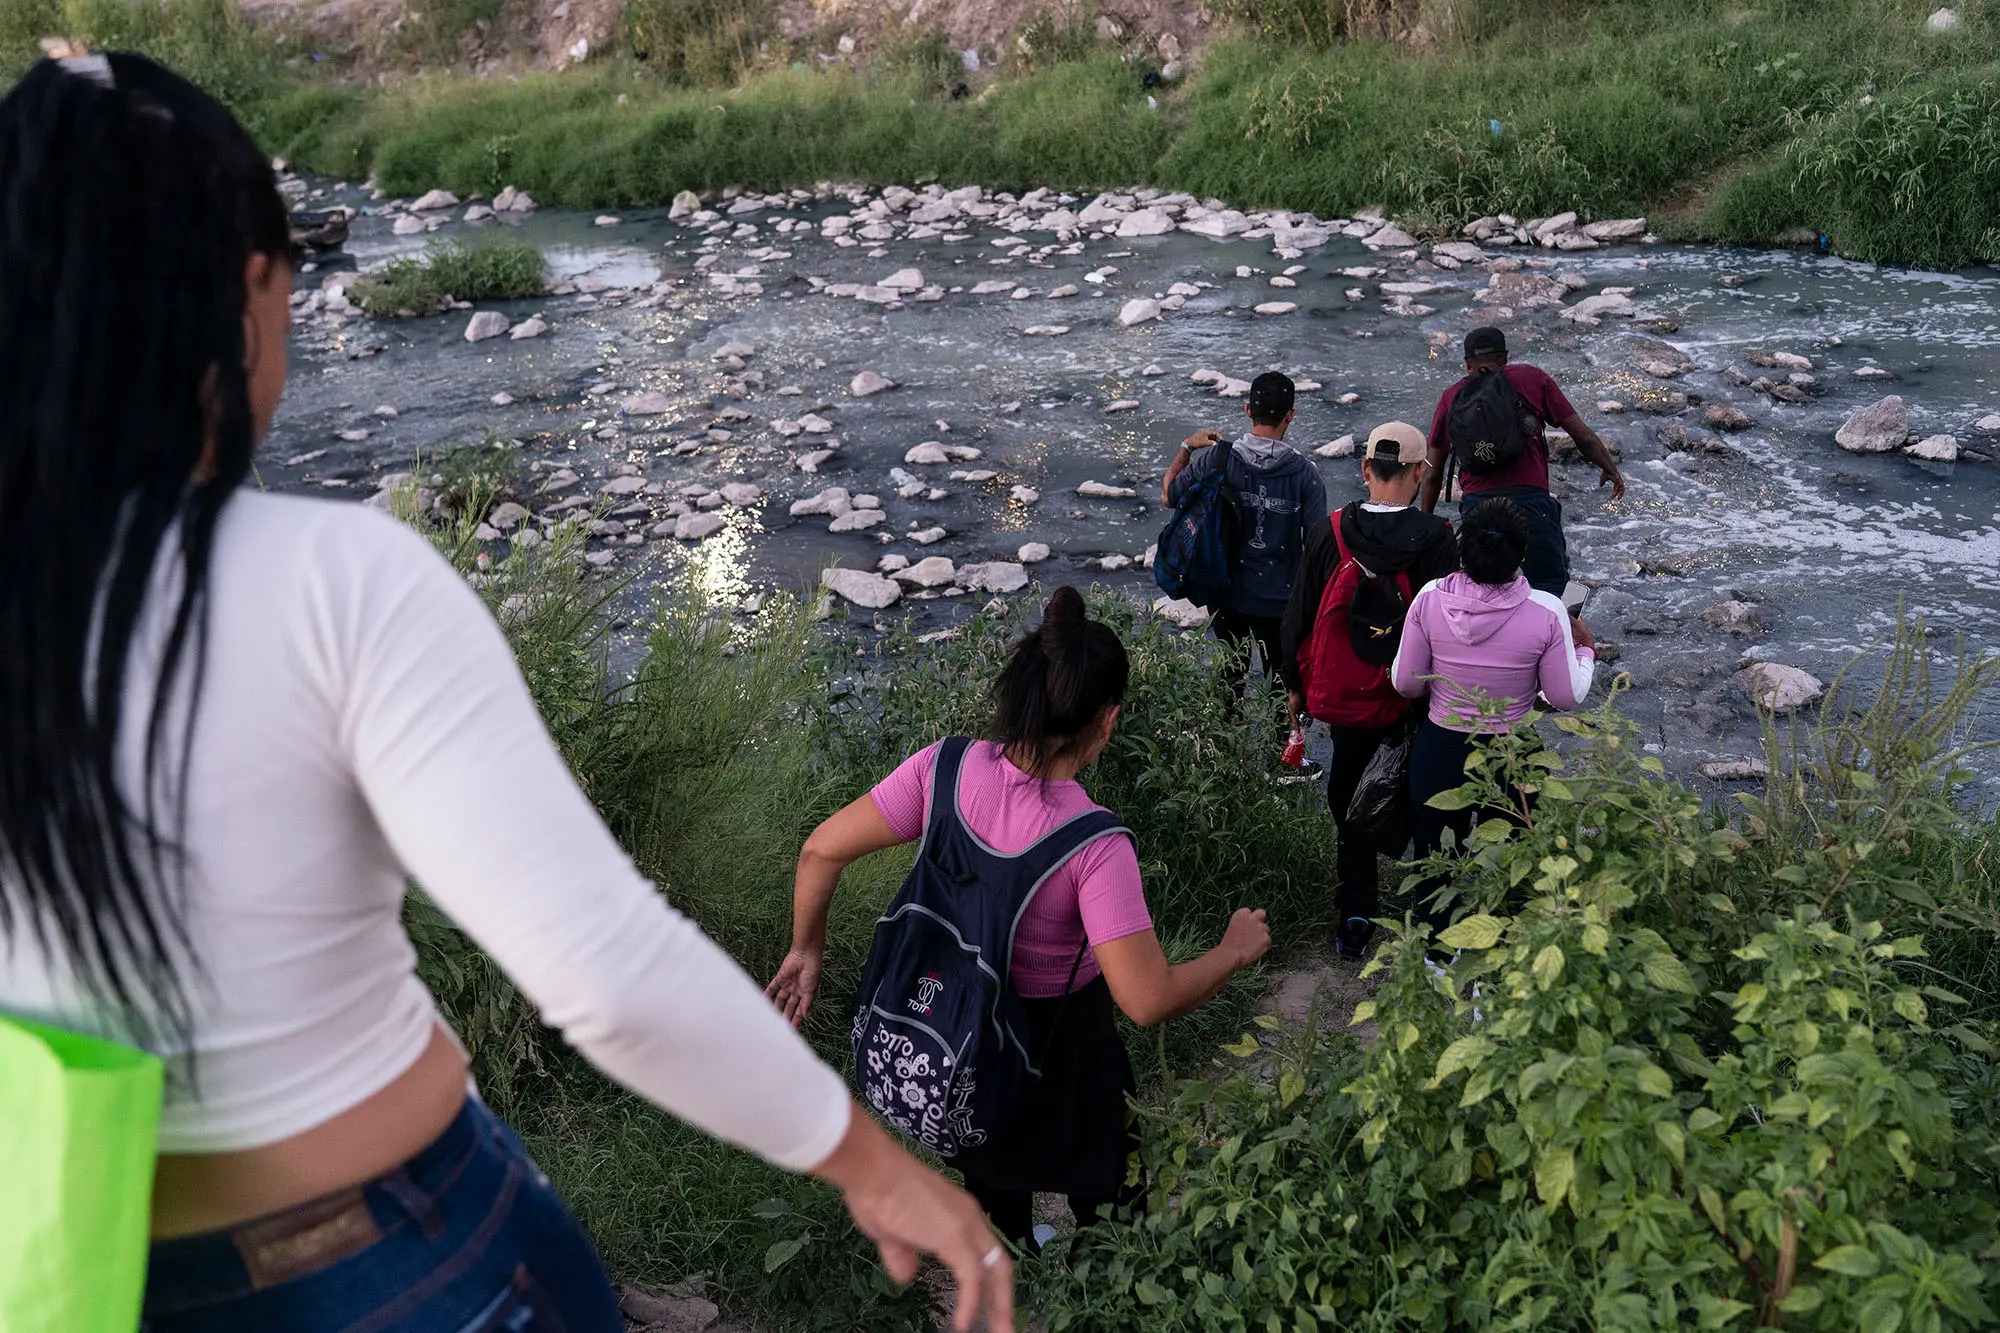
[[1592, 446], [1151, 990], [1184, 455], [843, 839], [1433, 480]]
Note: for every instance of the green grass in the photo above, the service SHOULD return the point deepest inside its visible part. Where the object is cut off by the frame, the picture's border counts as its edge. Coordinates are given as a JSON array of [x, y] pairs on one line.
[[1843, 117], [425, 284]]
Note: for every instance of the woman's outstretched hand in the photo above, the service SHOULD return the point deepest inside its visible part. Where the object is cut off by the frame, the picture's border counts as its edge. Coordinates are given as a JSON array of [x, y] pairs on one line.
[[909, 1210], [792, 990]]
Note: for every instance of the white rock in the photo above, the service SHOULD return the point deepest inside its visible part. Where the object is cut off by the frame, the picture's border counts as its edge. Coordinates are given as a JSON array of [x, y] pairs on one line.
[[478, 213], [1875, 429], [502, 399], [1033, 553], [1344, 447], [508, 516], [1151, 371], [1147, 222], [1988, 425], [1620, 229], [1389, 238], [625, 486], [1097, 490], [686, 204], [606, 220], [1736, 770], [534, 326], [869, 383], [833, 501], [1139, 310], [408, 226], [434, 202], [862, 588], [1232, 388], [1122, 405], [810, 461], [697, 526], [1111, 564], [928, 454], [1181, 612], [486, 324], [903, 280], [993, 286], [1045, 330], [1592, 309], [889, 564], [814, 424], [1779, 688], [1277, 307], [932, 572], [1943, 20], [649, 404], [994, 576], [1282, 281], [928, 536], [1935, 449], [1024, 495], [742, 494], [1413, 288], [1058, 293], [877, 295], [856, 520]]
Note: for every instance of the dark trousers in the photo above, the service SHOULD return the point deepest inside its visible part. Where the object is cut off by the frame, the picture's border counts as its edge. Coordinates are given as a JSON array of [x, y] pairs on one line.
[[1437, 763], [1358, 881], [1236, 630], [1013, 1216], [1547, 561], [1074, 1136]]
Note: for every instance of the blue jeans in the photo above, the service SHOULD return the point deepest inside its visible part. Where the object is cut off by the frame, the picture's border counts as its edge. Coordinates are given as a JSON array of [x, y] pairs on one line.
[[465, 1237], [1547, 562]]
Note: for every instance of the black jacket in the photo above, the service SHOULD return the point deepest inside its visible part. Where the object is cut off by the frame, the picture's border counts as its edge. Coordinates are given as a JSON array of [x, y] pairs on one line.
[[1389, 543]]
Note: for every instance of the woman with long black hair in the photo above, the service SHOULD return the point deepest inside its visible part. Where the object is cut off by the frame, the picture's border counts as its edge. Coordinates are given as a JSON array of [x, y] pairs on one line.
[[234, 724]]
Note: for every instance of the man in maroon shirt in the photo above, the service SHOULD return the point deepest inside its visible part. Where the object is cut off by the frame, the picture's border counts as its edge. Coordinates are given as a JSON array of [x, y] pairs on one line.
[[1525, 481]]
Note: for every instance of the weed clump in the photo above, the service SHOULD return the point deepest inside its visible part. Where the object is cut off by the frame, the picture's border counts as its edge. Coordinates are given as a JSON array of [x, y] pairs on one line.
[[424, 285]]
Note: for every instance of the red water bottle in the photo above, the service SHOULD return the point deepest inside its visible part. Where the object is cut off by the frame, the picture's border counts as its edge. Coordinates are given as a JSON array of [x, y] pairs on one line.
[[1295, 748]]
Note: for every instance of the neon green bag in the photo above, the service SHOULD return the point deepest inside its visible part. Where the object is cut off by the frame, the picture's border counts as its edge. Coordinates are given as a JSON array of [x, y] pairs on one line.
[[79, 1128]]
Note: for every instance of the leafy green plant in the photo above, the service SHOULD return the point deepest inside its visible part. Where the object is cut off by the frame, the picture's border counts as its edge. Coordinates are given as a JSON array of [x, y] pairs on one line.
[[448, 271], [1646, 1080]]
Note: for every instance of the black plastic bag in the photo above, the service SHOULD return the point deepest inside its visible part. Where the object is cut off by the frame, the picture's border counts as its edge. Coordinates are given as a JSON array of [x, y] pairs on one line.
[[1381, 813]]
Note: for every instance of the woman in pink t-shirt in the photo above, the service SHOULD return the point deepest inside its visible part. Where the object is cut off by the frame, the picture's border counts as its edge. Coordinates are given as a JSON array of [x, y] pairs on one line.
[[1086, 940]]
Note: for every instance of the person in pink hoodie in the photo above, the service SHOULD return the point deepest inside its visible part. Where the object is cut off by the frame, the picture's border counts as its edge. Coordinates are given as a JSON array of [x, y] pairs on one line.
[[1481, 636]]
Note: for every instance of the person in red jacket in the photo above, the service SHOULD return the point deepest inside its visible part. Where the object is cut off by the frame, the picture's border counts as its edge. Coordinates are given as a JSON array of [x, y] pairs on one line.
[[1525, 480], [1383, 535]]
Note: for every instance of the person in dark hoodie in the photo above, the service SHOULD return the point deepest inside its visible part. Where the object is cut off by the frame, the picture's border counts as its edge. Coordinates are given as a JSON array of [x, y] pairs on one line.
[[1385, 535], [1278, 494]]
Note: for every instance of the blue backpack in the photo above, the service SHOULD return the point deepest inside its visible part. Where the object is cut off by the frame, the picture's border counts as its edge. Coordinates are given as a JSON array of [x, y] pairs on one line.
[[940, 1036], [1194, 559]]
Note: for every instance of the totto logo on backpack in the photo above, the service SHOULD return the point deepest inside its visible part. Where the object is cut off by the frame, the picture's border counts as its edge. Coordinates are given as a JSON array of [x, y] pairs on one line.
[[939, 1036], [1489, 425], [1346, 659], [1194, 560]]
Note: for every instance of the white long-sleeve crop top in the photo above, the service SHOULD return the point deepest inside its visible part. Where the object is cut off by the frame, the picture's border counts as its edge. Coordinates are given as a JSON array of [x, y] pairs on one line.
[[363, 722]]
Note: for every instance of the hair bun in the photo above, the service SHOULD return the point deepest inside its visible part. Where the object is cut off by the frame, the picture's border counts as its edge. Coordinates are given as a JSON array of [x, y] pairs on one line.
[[1064, 613]]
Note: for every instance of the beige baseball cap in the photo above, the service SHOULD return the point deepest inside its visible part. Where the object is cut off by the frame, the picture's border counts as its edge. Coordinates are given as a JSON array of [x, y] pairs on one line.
[[1397, 442]]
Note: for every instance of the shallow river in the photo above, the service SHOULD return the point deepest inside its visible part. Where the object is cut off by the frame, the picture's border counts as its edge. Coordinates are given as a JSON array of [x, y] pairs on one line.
[[1826, 545]]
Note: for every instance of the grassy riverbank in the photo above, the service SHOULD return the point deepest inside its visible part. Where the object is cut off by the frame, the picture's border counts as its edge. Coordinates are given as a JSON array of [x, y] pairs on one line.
[[1742, 122], [1635, 931]]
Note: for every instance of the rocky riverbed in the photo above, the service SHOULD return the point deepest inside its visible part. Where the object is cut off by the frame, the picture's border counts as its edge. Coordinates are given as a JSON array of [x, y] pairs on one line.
[[950, 393]]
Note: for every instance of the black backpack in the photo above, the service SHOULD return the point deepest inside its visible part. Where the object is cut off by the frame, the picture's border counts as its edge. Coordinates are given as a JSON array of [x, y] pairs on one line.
[[1489, 425], [940, 1038]]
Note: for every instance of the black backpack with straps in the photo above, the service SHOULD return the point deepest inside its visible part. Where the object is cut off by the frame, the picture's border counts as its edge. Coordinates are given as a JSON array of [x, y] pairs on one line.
[[940, 1038], [1489, 425]]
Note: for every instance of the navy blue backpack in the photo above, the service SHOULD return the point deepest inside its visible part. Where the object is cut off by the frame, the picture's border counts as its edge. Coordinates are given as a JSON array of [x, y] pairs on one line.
[[940, 1037], [1194, 557]]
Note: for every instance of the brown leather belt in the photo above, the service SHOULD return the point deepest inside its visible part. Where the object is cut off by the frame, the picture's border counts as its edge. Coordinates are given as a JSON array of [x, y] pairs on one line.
[[303, 1240]]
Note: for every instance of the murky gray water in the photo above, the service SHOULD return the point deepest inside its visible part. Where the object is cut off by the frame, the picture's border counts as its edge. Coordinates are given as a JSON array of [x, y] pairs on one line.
[[1829, 544]]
